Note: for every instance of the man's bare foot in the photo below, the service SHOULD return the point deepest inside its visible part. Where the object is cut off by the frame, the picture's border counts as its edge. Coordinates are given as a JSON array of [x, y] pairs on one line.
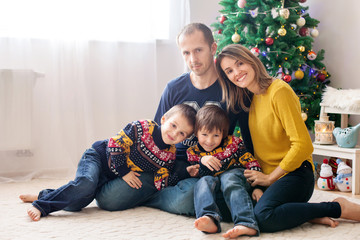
[[325, 221], [349, 210], [34, 213], [206, 224], [28, 198], [239, 230]]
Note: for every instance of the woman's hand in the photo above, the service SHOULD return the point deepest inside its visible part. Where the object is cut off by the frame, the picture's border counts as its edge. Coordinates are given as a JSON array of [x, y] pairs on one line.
[[211, 163], [132, 179], [257, 178], [193, 170]]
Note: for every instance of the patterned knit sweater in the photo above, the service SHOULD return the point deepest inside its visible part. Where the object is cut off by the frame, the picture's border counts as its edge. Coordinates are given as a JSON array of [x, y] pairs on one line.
[[232, 153], [139, 147]]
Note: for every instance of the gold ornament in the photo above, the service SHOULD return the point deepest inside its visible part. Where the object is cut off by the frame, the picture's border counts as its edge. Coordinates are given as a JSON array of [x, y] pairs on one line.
[[282, 31], [304, 116], [301, 48], [299, 74], [235, 37], [285, 13]]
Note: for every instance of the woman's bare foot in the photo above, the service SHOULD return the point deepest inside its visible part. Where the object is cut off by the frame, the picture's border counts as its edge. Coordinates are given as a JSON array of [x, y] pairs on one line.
[[34, 213], [349, 210], [325, 221], [239, 230], [206, 224], [28, 198]]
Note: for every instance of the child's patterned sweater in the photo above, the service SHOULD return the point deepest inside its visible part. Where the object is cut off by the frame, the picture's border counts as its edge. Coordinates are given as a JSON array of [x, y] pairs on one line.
[[232, 153], [139, 147]]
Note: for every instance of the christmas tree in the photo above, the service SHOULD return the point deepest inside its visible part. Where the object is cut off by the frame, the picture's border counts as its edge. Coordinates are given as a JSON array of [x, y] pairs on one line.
[[281, 34]]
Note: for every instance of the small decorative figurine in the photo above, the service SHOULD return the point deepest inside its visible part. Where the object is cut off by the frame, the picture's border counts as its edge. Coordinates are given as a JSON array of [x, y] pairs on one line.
[[347, 137], [325, 181], [343, 180]]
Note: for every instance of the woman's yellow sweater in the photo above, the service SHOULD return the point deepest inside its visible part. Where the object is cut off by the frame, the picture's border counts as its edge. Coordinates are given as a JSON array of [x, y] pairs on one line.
[[278, 132]]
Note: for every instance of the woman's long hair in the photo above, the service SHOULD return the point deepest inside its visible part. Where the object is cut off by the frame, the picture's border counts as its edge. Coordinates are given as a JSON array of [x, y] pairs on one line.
[[232, 94]]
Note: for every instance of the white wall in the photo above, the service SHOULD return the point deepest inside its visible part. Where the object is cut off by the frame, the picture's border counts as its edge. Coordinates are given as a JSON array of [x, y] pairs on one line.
[[339, 36]]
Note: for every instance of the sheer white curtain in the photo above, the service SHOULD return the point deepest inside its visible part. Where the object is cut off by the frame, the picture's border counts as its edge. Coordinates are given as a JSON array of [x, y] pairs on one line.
[[83, 91]]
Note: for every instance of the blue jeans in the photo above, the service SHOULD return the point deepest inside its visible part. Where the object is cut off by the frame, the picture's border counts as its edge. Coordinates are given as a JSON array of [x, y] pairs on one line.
[[177, 199], [235, 189], [284, 204], [78, 193]]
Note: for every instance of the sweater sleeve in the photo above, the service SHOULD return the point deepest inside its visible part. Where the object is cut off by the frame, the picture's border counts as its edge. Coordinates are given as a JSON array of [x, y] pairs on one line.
[[119, 149], [287, 107]]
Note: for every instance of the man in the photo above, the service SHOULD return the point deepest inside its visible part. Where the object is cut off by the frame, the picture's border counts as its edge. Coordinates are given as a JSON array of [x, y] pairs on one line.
[[197, 88]]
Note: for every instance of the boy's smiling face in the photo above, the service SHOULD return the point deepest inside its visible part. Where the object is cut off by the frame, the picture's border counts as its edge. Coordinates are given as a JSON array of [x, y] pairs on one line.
[[175, 129], [209, 140]]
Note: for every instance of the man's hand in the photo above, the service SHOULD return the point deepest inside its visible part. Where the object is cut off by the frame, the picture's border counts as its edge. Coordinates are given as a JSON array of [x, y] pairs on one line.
[[211, 163], [193, 170], [132, 179]]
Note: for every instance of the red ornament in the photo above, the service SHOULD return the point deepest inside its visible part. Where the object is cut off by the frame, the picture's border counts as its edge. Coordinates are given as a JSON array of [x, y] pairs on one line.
[[222, 19], [220, 31], [255, 51], [304, 31], [287, 78], [269, 41], [302, 1], [321, 77]]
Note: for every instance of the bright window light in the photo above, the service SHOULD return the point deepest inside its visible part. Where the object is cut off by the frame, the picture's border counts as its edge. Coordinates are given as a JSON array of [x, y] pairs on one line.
[[110, 20]]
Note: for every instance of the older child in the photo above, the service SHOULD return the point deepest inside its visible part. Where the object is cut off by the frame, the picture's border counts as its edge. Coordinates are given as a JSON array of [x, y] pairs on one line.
[[142, 146], [222, 160]]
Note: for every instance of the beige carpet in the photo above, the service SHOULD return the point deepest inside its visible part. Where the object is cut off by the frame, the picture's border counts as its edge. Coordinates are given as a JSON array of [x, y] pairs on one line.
[[140, 223]]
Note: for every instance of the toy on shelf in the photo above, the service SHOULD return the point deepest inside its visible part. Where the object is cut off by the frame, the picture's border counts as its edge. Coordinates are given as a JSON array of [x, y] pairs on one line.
[[347, 137], [343, 180], [325, 180]]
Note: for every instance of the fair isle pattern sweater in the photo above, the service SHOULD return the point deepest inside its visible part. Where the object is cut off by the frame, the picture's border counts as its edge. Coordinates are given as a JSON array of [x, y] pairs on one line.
[[140, 148], [232, 153]]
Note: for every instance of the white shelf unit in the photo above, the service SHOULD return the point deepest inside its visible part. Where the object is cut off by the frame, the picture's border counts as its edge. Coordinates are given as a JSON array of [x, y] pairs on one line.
[[352, 154]]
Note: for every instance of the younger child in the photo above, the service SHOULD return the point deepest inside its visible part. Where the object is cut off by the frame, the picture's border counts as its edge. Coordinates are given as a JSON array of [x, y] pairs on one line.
[[222, 160], [142, 146]]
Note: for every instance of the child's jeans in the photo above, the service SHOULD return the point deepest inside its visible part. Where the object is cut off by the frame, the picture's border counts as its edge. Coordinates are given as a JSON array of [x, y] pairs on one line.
[[235, 190], [80, 192]]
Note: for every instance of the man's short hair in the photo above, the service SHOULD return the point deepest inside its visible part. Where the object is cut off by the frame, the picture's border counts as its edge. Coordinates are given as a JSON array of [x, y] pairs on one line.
[[192, 27]]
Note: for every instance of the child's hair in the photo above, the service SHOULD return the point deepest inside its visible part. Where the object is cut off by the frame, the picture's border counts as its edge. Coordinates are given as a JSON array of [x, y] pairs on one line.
[[185, 110], [212, 117]]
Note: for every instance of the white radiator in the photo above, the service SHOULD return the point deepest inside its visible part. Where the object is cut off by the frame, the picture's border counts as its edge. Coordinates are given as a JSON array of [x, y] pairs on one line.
[[16, 98]]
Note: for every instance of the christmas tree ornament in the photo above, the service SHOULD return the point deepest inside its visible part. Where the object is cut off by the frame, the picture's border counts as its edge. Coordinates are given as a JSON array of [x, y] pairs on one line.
[[269, 41], [302, 1], [282, 31], [241, 3], [314, 33], [299, 74], [321, 77], [235, 37], [274, 13], [219, 31], [284, 13], [287, 78], [300, 21], [255, 51], [301, 48], [222, 19], [254, 12], [304, 31], [311, 55], [304, 116]]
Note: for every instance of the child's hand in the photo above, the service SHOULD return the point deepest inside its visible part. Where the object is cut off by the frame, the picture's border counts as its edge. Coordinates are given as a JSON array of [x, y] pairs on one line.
[[132, 179], [211, 163], [256, 194], [193, 170]]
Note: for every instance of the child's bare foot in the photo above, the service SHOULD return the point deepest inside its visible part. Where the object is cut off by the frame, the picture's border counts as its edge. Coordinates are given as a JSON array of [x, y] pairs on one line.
[[239, 230], [206, 224], [28, 198], [349, 210], [325, 221], [34, 213]]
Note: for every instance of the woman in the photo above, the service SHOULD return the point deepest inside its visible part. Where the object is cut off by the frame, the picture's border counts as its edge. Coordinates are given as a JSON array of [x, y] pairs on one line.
[[282, 145]]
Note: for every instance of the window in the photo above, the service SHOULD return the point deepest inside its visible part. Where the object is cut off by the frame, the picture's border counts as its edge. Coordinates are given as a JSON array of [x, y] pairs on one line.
[[114, 20]]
